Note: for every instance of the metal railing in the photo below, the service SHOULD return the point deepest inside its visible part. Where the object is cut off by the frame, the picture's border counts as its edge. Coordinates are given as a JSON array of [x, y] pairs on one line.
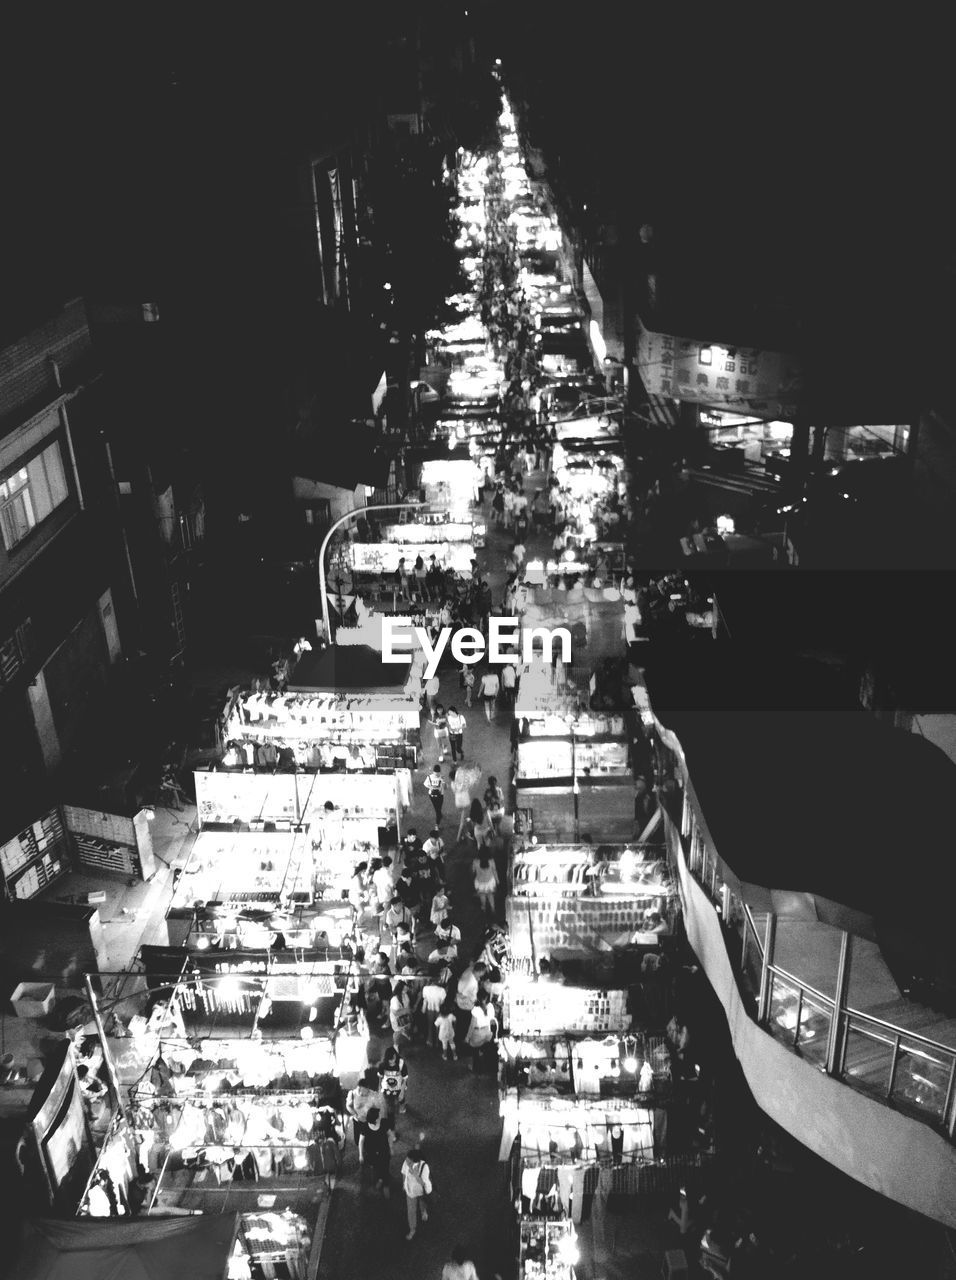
[[908, 1070]]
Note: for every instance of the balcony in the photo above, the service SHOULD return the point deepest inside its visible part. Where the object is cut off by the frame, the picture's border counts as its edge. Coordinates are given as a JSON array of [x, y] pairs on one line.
[[832, 1049]]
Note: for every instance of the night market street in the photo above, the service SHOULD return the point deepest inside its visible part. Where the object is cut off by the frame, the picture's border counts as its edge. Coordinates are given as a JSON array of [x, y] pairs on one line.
[[335, 944]]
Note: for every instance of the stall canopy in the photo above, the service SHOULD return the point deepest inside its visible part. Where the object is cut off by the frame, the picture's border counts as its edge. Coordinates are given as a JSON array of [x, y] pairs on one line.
[[354, 669], [147, 1249]]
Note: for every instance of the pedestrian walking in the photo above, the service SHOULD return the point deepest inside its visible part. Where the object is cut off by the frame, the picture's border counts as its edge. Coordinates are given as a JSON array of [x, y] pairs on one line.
[[421, 586], [456, 733], [466, 996], [417, 1181], [494, 802], [358, 1104], [434, 996], [434, 849], [400, 1015], [464, 778], [383, 880], [481, 1033], [400, 922], [498, 504], [441, 905], [486, 882], [475, 826], [401, 578], [489, 693], [469, 680], [393, 1077], [509, 684], [439, 723], [445, 1025], [325, 1153], [431, 694], [435, 786], [378, 1149]]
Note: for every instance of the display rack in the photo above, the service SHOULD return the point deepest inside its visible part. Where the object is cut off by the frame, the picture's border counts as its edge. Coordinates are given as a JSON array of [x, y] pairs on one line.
[[544, 1247], [544, 1008], [111, 844], [36, 858]]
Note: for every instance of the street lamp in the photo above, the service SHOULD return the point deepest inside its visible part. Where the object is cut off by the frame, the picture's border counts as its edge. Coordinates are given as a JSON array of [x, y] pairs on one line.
[[356, 511]]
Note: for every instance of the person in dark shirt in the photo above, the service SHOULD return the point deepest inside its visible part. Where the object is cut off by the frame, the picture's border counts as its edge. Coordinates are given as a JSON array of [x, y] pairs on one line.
[[378, 1150]]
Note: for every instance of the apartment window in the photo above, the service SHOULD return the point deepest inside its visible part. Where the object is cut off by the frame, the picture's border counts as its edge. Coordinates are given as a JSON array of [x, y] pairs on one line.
[[29, 495]]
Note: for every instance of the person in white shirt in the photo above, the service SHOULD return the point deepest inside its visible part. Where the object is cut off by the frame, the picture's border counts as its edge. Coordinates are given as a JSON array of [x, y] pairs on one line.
[[466, 997], [466, 777], [509, 681], [518, 551], [509, 512], [447, 933], [417, 1183], [456, 732], [383, 881], [434, 848], [489, 693]]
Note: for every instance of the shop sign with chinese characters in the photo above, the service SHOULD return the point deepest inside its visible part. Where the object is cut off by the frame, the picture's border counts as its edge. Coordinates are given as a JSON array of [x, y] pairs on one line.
[[768, 384]]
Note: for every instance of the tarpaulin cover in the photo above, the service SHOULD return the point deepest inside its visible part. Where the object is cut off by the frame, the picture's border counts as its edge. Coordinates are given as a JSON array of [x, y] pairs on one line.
[[108, 1249]]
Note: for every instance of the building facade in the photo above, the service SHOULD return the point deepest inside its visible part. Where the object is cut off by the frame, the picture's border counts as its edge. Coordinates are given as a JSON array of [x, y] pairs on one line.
[[61, 587]]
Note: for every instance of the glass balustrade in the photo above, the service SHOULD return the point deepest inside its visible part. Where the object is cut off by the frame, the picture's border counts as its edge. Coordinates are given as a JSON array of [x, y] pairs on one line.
[[884, 1061], [914, 1075], [799, 1018]]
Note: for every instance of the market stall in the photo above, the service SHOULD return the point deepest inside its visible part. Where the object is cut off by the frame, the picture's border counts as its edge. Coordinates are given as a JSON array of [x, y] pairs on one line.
[[223, 1124], [376, 558], [340, 725], [226, 796], [295, 879], [450, 482], [571, 899], [572, 766]]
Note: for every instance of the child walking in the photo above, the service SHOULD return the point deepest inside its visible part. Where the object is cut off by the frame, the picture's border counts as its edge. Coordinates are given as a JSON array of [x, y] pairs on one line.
[[445, 1022]]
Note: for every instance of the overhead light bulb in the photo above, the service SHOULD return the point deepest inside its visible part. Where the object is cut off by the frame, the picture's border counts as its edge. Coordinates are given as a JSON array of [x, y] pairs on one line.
[[228, 989]]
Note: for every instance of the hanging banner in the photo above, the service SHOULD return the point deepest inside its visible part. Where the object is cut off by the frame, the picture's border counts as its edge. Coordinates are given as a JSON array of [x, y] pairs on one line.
[[766, 384]]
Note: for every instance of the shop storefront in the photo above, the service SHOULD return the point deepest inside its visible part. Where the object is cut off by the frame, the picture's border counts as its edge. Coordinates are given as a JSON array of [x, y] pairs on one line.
[[741, 438]]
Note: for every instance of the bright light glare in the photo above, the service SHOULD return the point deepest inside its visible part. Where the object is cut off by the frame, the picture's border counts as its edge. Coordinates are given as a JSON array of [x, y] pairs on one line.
[[568, 1251], [597, 341]]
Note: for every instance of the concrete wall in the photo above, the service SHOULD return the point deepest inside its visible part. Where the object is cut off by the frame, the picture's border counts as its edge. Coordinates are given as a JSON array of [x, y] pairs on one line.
[[43, 722], [887, 1151]]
